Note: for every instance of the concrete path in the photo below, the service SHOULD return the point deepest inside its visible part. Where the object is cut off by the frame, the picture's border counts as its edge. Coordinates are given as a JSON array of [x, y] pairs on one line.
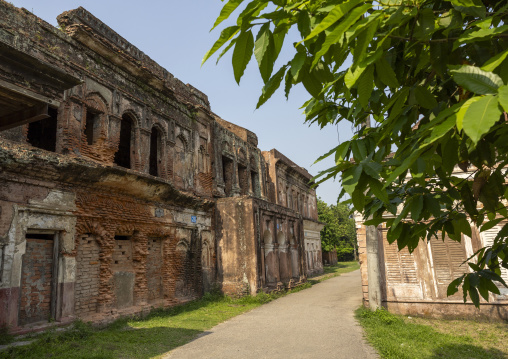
[[315, 323]]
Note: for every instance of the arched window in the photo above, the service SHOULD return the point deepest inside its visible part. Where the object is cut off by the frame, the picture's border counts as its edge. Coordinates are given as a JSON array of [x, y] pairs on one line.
[[155, 152], [123, 155]]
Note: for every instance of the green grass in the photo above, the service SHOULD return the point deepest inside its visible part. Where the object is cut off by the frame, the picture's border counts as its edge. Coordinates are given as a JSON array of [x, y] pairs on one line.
[[152, 336], [335, 271], [417, 338]]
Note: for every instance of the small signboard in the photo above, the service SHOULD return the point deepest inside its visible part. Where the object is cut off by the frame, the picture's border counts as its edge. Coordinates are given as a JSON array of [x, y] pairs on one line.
[[278, 226], [193, 219]]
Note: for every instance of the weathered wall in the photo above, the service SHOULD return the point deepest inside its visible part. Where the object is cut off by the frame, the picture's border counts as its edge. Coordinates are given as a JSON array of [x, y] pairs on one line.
[[112, 166], [416, 283], [260, 246], [312, 235]]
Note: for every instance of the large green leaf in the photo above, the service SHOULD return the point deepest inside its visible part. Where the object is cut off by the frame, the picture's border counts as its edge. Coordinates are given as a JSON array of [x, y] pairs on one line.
[[481, 116], [337, 33], [297, 63], [495, 61], [272, 85], [503, 97], [226, 35], [242, 54], [230, 6], [366, 86], [463, 109], [335, 14], [425, 97], [476, 80], [385, 72], [479, 35], [264, 51]]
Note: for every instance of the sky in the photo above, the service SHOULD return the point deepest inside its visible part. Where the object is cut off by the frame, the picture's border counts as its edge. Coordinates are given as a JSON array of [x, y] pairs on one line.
[[176, 34]]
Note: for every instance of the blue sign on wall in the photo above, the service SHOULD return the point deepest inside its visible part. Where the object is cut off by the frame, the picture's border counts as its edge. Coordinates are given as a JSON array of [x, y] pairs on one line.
[[193, 219]]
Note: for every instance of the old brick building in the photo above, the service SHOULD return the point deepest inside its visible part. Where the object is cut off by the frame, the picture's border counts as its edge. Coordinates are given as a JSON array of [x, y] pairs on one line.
[[416, 283], [121, 191]]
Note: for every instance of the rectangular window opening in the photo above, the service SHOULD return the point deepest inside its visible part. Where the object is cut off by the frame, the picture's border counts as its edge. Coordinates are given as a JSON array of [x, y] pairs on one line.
[[42, 133], [92, 120]]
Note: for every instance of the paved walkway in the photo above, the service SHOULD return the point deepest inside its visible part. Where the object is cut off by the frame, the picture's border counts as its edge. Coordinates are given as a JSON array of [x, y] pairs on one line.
[[315, 323]]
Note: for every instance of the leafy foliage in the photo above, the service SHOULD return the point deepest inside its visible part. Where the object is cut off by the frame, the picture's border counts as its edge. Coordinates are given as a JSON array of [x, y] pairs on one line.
[[339, 231], [433, 75]]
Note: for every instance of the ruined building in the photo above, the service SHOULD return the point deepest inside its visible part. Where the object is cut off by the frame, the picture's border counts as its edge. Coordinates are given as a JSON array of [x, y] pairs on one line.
[[120, 190], [416, 283]]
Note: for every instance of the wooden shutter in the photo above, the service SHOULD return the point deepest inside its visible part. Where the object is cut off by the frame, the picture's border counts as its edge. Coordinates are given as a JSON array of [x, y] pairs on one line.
[[447, 256], [400, 265], [488, 237]]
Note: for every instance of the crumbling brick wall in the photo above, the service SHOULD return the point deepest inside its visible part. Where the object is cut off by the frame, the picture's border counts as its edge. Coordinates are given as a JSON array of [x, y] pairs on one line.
[[87, 275]]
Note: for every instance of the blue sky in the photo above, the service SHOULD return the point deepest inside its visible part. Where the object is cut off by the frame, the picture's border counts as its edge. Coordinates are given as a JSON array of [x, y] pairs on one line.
[[176, 35]]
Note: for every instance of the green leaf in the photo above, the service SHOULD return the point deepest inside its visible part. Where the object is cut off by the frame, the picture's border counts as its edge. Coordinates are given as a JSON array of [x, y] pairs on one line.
[[336, 14], [353, 76], [336, 35], [453, 287], [386, 74], [297, 64], [403, 167], [363, 40], [230, 6], [491, 224], [272, 85], [475, 298], [366, 86], [495, 61], [463, 109], [377, 189], [440, 130], [341, 153], [476, 80], [350, 178], [425, 98], [416, 207], [242, 54], [358, 198], [480, 117], [264, 51], [479, 35], [503, 97], [226, 35]]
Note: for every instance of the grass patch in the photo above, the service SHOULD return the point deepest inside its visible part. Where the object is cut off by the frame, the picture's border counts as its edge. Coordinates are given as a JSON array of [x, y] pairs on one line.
[[418, 338], [150, 337], [154, 335], [335, 271]]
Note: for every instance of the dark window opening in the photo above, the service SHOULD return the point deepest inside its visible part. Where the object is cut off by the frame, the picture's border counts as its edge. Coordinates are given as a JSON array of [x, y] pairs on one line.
[[123, 155], [122, 238], [92, 122], [227, 175], [243, 180], [42, 134], [44, 236], [254, 179], [154, 152]]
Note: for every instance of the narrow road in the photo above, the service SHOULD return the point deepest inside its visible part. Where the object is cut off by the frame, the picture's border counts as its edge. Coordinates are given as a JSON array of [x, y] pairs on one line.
[[315, 323]]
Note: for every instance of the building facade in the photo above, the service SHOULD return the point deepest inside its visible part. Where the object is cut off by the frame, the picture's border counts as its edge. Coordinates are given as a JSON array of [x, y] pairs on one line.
[[416, 283], [116, 179]]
